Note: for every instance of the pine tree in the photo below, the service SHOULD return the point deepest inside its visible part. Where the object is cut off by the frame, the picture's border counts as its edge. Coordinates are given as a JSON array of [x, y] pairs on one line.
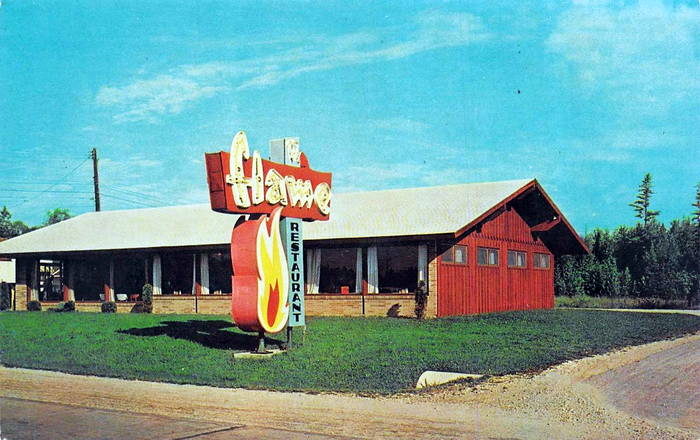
[[641, 203], [626, 283], [694, 296], [696, 212]]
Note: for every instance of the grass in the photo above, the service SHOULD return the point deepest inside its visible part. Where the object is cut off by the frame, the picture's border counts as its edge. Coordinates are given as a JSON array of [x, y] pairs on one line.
[[612, 302], [344, 354]]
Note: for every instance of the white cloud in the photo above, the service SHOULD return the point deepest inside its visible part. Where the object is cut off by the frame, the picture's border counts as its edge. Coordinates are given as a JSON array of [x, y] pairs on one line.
[[405, 174], [144, 162], [643, 56], [433, 30], [143, 100], [148, 99], [401, 124]]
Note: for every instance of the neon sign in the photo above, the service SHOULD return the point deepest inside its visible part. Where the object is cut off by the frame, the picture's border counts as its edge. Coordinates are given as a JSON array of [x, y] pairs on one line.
[[244, 183], [267, 258]]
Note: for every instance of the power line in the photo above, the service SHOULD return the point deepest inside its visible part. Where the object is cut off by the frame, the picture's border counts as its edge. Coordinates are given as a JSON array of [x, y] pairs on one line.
[[44, 182], [44, 191], [129, 201], [55, 184], [135, 193]]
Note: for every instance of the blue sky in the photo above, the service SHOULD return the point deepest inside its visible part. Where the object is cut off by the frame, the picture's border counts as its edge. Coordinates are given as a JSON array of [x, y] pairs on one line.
[[584, 96]]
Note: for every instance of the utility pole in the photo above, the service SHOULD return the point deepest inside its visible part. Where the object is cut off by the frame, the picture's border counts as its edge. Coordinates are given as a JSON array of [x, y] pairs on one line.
[[96, 179]]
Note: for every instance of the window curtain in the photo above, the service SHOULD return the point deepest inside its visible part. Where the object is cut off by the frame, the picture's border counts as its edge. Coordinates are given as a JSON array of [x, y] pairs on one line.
[[157, 279], [372, 270], [204, 273], [194, 274], [423, 263], [313, 270], [71, 280], [358, 271], [34, 274]]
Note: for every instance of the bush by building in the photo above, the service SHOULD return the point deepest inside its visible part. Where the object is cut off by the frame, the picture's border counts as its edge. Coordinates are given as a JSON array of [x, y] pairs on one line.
[[68, 306], [109, 307], [147, 298], [34, 306]]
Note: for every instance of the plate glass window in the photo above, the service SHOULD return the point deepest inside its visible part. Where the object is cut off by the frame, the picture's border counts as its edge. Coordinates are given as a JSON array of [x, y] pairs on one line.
[[541, 261], [517, 259], [487, 256]]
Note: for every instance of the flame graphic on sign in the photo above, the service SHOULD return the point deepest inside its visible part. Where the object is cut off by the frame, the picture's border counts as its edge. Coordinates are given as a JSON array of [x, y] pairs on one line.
[[273, 275]]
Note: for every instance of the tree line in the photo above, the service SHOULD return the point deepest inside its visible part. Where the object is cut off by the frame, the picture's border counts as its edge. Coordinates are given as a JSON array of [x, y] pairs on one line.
[[10, 227], [647, 260]]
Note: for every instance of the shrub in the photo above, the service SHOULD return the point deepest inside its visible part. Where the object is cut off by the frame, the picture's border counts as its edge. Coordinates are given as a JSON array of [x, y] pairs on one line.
[[147, 293], [68, 306], [147, 298], [34, 306], [421, 298], [109, 307]]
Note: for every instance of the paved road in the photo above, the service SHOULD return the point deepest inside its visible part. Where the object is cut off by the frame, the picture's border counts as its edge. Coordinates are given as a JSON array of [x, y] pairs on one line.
[[259, 414], [30, 420], [664, 386]]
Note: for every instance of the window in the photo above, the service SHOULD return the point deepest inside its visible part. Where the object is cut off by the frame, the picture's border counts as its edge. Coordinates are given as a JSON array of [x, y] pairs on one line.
[[398, 268], [517, 259], [50, 280], [338, 270], [220, 272], [456, 254], [130, 275], [541, 261], [177, 273], [487, 256]]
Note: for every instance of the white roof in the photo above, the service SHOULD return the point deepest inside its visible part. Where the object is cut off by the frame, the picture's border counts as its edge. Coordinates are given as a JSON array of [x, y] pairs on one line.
[[413, 211], [389, 213]]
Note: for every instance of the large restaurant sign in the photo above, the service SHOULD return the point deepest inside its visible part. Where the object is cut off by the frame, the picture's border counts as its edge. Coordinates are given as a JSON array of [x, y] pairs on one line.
[[267, 247], [242, 183]]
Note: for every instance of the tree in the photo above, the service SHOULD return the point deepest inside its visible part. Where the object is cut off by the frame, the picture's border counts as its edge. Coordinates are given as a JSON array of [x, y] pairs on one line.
[[10, 228], [56, 215], [626, 283], [696, 216], [641, 203], [695, 246], [569, 276]]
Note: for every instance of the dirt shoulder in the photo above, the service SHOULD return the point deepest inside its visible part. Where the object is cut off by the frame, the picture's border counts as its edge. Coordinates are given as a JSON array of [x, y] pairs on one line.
[[562, 402], [646, 391]]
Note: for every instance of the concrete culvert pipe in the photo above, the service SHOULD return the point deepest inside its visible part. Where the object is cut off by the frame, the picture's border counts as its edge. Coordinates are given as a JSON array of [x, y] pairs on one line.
[[432, 378]]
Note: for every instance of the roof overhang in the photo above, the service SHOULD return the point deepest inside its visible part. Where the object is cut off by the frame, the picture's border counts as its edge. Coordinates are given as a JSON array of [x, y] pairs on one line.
[[545, 219]]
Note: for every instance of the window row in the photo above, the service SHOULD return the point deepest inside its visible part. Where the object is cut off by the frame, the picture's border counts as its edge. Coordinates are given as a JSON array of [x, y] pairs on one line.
[[372, 269], [486, 256]]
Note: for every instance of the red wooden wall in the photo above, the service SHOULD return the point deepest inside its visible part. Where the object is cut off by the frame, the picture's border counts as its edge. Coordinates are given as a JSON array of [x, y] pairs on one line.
[[471, 288]]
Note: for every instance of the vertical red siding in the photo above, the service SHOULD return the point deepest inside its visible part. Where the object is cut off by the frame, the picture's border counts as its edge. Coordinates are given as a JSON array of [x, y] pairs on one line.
[[470, 288]]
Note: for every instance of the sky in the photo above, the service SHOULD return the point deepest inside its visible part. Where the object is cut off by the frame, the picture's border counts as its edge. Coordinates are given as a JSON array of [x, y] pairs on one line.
[[586, 97]]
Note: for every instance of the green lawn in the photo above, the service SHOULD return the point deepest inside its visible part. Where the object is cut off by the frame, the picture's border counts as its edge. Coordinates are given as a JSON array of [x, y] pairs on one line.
[[355, 354]]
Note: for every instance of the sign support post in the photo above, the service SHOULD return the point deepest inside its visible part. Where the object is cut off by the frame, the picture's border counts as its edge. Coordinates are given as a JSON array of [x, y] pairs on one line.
[[287, 151]]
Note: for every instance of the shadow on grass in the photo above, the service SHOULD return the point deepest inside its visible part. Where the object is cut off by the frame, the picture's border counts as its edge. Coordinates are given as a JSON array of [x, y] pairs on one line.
[[210, 334]]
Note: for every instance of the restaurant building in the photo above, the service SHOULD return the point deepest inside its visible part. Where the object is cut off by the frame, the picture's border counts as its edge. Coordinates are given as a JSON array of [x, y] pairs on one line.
[[477, 248]]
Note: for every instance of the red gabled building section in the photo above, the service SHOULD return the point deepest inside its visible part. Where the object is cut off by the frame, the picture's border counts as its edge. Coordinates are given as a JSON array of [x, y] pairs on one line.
[[527, 222]]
